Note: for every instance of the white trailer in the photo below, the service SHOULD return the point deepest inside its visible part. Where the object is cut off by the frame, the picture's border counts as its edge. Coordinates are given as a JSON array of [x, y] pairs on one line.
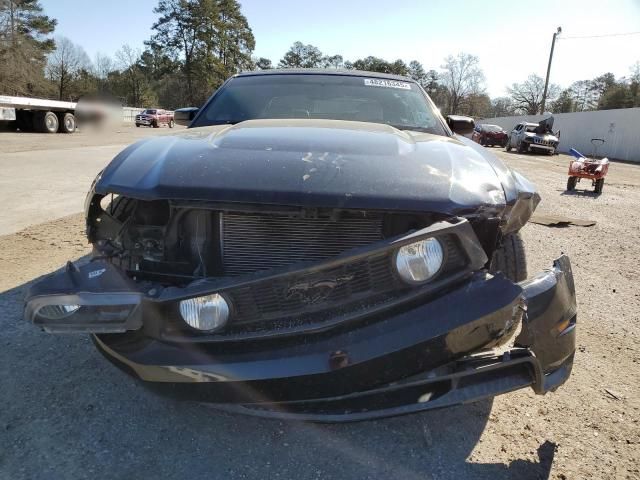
[[37, 114]]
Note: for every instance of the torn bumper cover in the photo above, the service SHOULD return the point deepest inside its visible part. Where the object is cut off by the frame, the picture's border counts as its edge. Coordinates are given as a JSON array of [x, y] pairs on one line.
[[432, 355]]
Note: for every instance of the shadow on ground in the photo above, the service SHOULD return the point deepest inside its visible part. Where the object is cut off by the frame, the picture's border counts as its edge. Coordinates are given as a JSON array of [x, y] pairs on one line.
[[580, 193], [67, 413]]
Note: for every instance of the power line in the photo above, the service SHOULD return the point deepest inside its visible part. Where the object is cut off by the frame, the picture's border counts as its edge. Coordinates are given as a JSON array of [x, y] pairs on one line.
[[600, 36]]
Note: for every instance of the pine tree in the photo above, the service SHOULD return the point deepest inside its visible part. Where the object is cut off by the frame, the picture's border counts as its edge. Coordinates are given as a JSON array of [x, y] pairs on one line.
[[24, 45]]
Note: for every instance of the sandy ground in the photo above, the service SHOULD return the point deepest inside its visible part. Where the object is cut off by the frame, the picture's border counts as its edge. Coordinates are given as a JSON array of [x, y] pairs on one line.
[[65, 412]]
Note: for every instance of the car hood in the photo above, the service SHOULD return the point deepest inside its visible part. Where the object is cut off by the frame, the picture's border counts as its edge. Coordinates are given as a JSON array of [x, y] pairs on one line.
[[334, 164], [546, 136]]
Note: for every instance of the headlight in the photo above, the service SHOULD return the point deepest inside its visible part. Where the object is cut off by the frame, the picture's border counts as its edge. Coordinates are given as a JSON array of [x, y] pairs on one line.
[[56, 312], [420, 261], [207, 313]]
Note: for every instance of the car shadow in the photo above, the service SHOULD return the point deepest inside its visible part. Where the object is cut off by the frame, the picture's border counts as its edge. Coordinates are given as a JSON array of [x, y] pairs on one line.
[[68, 413]]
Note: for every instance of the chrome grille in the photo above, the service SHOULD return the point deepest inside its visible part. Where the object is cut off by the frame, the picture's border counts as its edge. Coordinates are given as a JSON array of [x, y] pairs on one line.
[[254, 241]]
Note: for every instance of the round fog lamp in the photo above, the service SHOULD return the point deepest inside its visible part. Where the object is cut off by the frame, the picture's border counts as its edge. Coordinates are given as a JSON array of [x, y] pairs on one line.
[[205, 313], [420, 261]]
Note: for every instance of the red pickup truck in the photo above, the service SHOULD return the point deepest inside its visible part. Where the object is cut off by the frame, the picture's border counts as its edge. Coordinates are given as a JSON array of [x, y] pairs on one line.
[[154, 117]]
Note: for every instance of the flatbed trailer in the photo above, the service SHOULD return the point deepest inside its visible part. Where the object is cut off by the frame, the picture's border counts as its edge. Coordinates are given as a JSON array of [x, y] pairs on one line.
[[37, 115]]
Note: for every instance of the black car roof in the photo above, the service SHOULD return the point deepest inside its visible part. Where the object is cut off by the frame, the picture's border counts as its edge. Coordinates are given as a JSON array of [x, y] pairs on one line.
[[324, 71]]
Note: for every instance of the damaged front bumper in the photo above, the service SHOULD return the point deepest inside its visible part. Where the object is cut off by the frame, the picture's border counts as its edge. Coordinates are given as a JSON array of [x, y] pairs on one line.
[[431, 355]]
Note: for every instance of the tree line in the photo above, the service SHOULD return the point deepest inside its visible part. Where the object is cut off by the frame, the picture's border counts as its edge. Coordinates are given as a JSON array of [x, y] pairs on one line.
[[197, 44]]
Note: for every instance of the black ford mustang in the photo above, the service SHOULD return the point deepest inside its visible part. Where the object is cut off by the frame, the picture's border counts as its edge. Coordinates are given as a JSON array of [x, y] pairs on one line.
[[317, 245]]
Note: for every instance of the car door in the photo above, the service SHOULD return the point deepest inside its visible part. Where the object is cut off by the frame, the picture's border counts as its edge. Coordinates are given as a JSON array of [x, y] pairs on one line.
[[513, 136], [476, 134]]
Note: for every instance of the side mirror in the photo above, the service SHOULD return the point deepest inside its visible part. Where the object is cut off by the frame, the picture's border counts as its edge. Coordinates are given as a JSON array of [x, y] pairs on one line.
[[184, 116], [461, 125]]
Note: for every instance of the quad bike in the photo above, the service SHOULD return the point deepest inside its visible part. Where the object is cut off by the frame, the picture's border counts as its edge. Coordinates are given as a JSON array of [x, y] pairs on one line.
[[592, 168]]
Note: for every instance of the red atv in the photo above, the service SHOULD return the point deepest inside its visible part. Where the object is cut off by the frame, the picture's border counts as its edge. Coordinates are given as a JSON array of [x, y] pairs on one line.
[[592, 168]]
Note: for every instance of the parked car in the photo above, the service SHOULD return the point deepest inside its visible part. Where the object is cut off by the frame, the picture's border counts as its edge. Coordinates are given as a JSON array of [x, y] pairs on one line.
[[155, 117], [318, 245], [489, 135], [527, 136]]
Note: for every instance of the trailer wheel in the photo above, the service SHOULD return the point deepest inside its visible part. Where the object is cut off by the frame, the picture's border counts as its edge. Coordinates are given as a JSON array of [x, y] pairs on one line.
[[599, 185], [510, 258], [67, 123], [571, 183], [45, 122], [171, 123]]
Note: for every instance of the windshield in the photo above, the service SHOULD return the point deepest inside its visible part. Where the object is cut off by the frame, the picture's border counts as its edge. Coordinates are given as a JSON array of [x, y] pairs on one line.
[[492, 128], [335, 97], [531, 128], [150, 112]]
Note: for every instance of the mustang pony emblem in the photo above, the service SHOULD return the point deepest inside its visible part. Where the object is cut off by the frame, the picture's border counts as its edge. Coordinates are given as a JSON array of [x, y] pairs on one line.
[[315, 290]]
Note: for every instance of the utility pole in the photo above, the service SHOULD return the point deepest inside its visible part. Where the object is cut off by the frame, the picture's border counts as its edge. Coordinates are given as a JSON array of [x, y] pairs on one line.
[[546, 82]]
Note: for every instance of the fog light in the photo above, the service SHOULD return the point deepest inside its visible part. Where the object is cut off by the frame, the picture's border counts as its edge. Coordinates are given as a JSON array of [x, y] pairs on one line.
[[207, 313], [56, 312], [420, 261]]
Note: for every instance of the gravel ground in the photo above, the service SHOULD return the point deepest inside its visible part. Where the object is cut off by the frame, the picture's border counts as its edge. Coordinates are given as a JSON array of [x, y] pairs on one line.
[[65, 412]]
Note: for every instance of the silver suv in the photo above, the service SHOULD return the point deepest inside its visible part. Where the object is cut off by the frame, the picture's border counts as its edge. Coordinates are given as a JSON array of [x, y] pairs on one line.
[[527, 136]]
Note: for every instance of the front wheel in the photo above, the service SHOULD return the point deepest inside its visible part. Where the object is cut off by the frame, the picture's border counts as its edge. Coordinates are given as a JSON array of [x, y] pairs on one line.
[[171, 123], [156, 124], [571, 183], [599, 185], [522, 148], [510, 258], [507, 145]]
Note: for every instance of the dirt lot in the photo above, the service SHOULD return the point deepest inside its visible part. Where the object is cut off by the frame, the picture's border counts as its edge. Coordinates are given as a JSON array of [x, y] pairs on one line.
[[66, 413]]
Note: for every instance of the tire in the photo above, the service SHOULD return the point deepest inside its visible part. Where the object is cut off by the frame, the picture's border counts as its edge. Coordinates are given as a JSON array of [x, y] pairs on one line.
[[522, 148], [510, 258], [507, 145], [45, 122], [483, 142], [67, 123], [155, 124], [138, 125], [599, 185], [171, 123], [571, 183]]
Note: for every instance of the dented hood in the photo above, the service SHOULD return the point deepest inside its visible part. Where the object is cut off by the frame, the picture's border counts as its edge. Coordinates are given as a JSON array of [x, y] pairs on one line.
[[335, 164]]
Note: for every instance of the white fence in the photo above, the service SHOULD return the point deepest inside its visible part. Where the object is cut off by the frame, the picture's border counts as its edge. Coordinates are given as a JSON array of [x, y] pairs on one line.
[[129, 114], [619, 128]]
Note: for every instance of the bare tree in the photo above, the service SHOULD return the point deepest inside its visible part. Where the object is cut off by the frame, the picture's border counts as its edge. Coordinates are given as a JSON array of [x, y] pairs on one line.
[[64, 63], [463, 77], [102, 66], [527, 96], [128, 64]]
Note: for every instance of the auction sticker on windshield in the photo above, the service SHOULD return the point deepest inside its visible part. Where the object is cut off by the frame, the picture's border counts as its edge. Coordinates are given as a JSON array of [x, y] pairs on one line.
[[380, 82]]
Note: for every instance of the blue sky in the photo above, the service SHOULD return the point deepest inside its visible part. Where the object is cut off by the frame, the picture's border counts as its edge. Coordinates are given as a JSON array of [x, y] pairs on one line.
[[509, 46]]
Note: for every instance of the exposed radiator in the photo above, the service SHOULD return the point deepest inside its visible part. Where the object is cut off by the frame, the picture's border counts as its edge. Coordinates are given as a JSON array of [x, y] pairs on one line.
[[253, 242]]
